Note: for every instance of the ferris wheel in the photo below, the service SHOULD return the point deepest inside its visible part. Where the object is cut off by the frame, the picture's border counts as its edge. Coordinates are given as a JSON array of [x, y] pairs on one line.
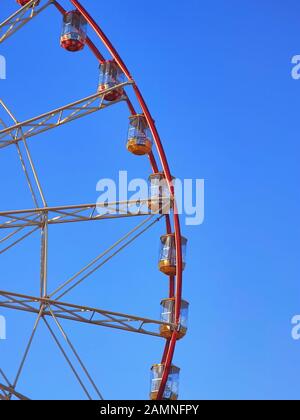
[[116, 86]]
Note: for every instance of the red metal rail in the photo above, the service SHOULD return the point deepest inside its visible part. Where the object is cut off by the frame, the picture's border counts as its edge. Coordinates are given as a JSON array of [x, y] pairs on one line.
[[175, 287]]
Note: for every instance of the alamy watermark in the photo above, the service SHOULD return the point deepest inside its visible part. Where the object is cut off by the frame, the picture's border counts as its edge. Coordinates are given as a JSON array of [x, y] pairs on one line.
[[2, 67], [296, 328], [141, 196], [2, 328], [296, 68]]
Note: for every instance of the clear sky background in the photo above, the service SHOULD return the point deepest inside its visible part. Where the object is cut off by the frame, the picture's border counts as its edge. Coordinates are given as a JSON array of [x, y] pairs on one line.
[[217, 76]]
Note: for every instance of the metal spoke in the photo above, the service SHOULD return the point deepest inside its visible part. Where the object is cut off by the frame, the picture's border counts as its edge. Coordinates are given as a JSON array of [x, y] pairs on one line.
[[19, 240], [20, 18], [58, 117], [23, 303], [129, 242], [4, 377], [67, 359], [8, 392], [28, 346], [84, 314], [22, 160], [73, 213], [66, 338], [44, 257], [16, 231], [99, 257]]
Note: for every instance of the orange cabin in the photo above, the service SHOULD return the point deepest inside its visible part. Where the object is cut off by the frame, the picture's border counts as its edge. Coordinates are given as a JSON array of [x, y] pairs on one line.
[[167, 260], [168, 317], [139, 141]]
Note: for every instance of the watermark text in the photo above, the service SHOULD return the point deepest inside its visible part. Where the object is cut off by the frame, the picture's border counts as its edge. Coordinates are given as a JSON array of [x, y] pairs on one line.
[[142, 196], [2, 328], [2, 67]]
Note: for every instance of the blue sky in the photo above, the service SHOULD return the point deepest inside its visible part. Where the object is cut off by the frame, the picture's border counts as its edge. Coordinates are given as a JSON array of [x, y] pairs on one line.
[[217, 76]]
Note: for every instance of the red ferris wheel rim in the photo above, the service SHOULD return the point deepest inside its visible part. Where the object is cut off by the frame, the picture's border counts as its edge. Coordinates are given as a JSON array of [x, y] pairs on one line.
[[175, 283]]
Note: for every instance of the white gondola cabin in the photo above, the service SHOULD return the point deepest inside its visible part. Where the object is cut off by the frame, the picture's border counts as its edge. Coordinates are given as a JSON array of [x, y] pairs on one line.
[[168, 317], [74, 32], [167, 258], [172, 386], [110, 76], [160, 200]]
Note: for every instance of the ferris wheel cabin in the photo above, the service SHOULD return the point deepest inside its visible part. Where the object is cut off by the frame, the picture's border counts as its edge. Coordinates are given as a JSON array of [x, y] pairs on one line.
[[139, 140], [167, 259], [172, 387], [168, 317], [160, 200], [110, 76], [74, 32]]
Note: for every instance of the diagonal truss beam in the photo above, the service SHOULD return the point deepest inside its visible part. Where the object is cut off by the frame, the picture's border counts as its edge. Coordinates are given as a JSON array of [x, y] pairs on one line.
[[27, 163], [75, 354], [82, 314], [8, 391], [57, 117], [15, 219], [18, 19]]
